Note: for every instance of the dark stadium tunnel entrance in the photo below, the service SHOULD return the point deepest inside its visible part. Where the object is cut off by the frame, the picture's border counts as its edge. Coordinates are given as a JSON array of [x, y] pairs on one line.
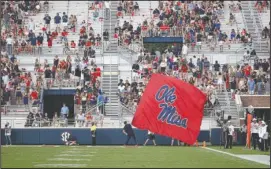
[[54, 103]]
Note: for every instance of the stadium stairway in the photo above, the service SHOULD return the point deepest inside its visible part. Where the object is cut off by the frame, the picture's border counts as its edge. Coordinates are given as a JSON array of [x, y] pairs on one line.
[[110, 87], [228, 105], [265, 17], [254, 26], [110, 62]]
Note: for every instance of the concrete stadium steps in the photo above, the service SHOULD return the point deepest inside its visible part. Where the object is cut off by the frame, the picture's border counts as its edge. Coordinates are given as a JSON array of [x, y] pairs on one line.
[[222, 58], [15, 122], [265, 17], [225, 27], [228, 105], [250, 13], [206, 49], [110, 79]]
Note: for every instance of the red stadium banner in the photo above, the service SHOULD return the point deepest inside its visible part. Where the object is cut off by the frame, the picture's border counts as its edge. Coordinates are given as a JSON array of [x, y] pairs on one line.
[[163, 28], [171, 107], [144, 28]]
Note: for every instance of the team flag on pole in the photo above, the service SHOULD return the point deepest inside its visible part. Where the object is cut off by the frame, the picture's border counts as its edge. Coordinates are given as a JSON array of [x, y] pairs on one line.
[[171, 107]]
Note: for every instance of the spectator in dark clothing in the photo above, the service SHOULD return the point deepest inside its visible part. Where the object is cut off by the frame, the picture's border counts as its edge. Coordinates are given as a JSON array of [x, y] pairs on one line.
[[106, 35], [71, 140], [40, 43], [40, 39], [47, 20], [77, 71], [128, 131], [256, 65], [135, 67], [265, 32], [265, 65], [33, 41], [47, 73], [86, 73], [29, 120], [30, 34], [57, 20], [216, 66], [190, 64], [65, 19]]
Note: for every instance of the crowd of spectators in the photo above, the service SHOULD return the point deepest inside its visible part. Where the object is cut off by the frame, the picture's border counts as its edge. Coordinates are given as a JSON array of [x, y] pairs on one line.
[[262, 5], [24, 87], [18, 86], [210, 78], [197, 22]]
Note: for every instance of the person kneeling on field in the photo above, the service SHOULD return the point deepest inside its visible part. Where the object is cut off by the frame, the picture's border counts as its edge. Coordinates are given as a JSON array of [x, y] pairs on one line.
[[151, 136], [71, 141]]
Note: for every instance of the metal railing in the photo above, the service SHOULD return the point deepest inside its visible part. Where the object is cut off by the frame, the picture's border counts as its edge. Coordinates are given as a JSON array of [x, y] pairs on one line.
[[169, 32], [126, 114], [50, 83], [255, 25], [243, 16]]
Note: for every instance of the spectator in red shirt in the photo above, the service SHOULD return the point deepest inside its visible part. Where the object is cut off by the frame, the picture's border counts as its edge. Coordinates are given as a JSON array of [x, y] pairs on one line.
[[98, 70], [247, 70], [73, 46], [54, 34], [27, 82], [33, 95], [64, 35]]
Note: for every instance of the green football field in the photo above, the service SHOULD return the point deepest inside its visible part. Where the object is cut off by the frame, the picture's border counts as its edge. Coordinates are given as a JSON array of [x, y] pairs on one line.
[[123, 157]]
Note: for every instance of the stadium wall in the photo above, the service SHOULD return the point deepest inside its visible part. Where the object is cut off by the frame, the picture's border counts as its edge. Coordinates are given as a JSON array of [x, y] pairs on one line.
[[163, 40], [109, 136]]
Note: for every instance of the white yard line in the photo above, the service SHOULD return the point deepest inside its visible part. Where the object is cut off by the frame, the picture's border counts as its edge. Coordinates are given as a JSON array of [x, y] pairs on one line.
[[78, 152], [245, 157], [61, 165], [73, 155], [107, 146], [68, 159], [22, 146]]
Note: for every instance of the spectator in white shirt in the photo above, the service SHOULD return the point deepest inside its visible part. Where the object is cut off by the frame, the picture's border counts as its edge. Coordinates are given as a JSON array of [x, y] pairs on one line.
[[31, 25], [263, 135], [194, 60], [9, 41], [255, 133], [230, 134], [184, 51], [163, 66], [221, 42], [121, 87], [80, 119]]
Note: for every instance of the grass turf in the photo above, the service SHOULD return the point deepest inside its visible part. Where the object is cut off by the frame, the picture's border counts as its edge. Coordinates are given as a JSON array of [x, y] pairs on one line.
[[124, 157]]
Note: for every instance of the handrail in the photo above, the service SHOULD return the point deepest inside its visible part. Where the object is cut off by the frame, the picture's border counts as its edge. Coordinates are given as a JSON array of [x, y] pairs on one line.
[[243, 16], [259, 29], [41, 100], [121, 114]]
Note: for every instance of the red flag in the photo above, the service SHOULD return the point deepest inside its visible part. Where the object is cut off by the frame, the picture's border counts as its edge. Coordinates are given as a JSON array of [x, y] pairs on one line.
[[172, 108]]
